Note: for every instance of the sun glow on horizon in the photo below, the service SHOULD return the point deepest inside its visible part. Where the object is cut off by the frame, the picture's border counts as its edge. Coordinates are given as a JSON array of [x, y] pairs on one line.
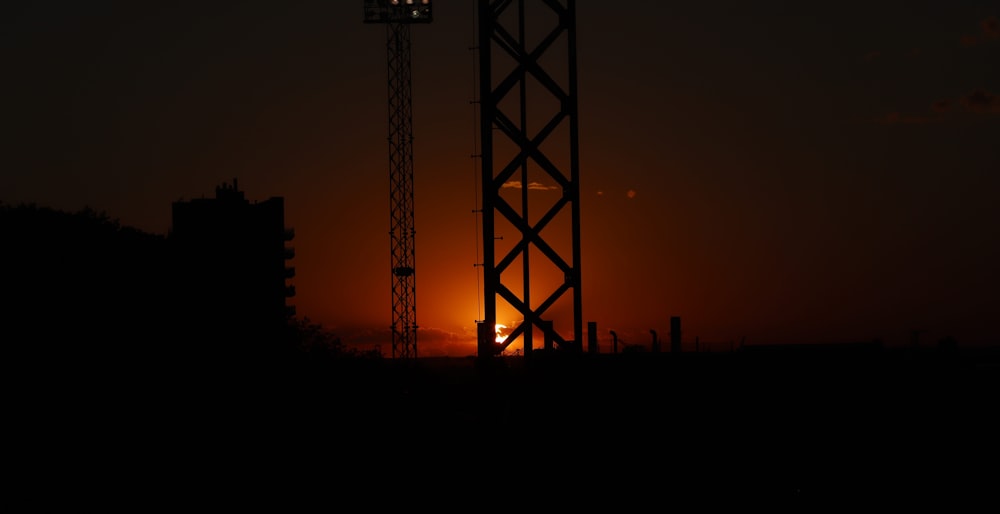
[[500, 336]]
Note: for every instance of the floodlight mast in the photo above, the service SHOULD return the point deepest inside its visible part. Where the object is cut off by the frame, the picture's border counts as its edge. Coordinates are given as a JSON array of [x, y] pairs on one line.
[[398, 15]]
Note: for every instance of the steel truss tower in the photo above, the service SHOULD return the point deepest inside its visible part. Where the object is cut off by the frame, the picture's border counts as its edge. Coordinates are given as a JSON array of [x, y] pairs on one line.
[[398, 15], [530, 155]]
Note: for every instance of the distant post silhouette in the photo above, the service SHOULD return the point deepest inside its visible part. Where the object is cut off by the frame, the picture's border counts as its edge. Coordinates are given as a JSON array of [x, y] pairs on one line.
[[675, 334], [486, 337], [592, 337], [656, 342], [614, 342]]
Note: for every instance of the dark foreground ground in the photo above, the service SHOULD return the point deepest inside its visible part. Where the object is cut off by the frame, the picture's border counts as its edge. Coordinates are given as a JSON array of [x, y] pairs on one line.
[[628, 431]]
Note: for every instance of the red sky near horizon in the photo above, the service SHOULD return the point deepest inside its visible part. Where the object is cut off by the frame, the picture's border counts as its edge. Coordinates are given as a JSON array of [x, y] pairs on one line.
[[785, 173]]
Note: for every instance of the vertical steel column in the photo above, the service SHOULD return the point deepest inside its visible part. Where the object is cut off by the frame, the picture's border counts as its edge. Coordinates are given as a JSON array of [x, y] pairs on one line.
[[487, 112], [513, 129]]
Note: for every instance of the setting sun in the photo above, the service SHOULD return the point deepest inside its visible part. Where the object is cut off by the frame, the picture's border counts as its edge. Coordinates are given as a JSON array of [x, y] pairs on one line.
[[500, 336]]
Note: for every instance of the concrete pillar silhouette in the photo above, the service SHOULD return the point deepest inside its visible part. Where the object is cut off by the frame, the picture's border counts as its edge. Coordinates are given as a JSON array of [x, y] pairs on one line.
[[486, 336]]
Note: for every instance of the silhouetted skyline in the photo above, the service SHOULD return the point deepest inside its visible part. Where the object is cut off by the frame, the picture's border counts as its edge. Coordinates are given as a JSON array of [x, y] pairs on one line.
[[782, 173]]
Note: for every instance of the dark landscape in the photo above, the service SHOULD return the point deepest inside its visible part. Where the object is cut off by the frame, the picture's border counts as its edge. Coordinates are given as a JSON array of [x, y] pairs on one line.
[[810, 188], [152, 391]]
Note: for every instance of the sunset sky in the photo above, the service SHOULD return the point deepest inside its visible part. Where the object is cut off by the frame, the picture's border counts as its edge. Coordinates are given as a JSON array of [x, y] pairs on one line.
[[779, 171]]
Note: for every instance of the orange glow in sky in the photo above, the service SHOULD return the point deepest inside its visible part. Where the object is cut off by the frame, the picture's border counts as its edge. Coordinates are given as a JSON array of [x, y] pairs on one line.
[[841, 188], [501, 337]]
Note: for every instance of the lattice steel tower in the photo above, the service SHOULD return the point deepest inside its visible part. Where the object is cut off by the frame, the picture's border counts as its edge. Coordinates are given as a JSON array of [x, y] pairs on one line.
[[398, 15], [530, 157]]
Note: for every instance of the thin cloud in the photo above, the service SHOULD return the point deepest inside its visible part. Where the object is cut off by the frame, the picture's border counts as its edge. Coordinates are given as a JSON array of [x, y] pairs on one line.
[[441, 342], [989, 30], [981, 101], [897, 118], [969, 41], [532, 186], [537, 186], [432, 341], [878, 55], [941, 106]]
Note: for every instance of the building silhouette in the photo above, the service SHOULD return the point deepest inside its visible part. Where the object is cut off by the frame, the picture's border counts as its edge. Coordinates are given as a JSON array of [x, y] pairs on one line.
[[231, 259]]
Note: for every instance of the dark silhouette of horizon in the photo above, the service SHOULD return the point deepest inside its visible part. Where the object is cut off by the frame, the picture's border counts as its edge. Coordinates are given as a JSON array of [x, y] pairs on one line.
[[768, 170], [768, 422]]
